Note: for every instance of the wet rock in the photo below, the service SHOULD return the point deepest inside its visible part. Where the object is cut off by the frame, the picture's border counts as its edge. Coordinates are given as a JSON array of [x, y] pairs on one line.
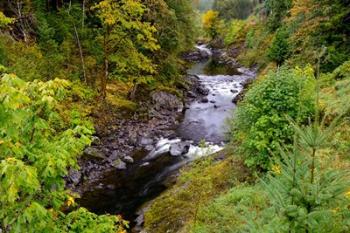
[[212, 101], [94, 152], [234, 91], [127, 159], [216, 106], [204, 100], [143, 141], [191, 94], [149, 147], [75, 176], [202, 90], [180, 148], [236, 99], [119, 164]]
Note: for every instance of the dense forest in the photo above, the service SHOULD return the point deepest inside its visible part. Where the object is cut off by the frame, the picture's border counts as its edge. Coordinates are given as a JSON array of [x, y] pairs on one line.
[[74, 73]]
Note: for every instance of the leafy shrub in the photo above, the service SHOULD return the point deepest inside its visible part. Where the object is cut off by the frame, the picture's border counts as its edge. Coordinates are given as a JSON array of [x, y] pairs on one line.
[[35, 155], [260, 123], [234, 31]]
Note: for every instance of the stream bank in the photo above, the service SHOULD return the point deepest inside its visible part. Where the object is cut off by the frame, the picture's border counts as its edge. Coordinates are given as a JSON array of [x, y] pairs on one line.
[[138, 158]]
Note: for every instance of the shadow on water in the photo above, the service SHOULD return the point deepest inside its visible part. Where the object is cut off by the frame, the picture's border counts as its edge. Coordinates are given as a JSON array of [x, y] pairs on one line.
[[122, 192]]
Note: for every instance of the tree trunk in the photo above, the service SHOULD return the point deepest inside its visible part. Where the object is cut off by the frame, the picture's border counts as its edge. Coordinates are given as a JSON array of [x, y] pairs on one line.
[[133, 92], [80, 53], [83, 19], [104, 77]]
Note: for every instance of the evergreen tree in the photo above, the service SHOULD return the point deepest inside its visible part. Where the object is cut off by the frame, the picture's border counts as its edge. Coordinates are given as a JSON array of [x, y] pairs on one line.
[[280, 49]]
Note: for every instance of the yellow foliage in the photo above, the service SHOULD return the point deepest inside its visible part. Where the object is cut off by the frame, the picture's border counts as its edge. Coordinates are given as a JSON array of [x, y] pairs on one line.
[[209, 18]]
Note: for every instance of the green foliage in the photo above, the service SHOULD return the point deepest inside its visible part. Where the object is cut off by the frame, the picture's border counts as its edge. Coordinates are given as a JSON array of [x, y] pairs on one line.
[[212, 24], [234, 9], [280, 49], [36, 153], [227, 212], [260, 123], [277, 11], [197, 185], [305, 194], [234, 31], [4, 21]]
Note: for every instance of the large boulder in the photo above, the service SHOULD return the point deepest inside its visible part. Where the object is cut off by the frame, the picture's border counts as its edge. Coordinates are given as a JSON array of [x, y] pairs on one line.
[[164, 100], [180, 148]]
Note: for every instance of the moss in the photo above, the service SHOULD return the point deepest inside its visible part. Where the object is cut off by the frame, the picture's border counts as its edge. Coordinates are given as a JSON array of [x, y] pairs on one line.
[[196, 186]]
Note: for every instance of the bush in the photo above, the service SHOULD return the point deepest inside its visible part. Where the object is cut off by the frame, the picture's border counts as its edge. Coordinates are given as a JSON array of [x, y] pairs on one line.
[[260, 123]]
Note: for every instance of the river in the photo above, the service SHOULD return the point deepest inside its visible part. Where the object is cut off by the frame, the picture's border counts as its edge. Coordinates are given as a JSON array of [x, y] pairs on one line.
[[204, 123]]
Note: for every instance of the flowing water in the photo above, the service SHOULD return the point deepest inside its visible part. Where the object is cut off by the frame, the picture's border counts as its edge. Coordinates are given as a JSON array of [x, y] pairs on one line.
[[150, 174]]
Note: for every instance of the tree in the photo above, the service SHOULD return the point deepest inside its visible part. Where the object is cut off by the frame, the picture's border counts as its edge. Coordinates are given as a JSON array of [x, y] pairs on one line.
[[277, 10], [125, 40], [280, 49], [234, 9], [212, 23]]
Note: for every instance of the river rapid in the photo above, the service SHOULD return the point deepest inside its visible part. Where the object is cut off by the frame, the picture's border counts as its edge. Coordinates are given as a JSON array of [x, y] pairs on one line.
[[201, 132]]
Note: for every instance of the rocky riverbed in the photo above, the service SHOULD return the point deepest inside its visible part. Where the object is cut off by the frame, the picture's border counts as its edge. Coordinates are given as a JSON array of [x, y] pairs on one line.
[[134, 159]]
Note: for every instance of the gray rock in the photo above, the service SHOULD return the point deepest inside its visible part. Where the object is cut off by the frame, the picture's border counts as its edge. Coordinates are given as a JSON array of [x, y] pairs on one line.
[[75, 176], [149, 147], [143, 141], [128, 159], [164, 100], [114, 155], [94, 152], [202, 90], [180, 148], [119, 164]]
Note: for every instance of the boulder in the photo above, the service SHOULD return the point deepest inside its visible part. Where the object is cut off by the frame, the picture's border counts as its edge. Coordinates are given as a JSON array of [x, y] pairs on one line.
[[119, 164], [202, 90], [128, 159], [143, 141], [180, 148], [164, 100], [94, 153]]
